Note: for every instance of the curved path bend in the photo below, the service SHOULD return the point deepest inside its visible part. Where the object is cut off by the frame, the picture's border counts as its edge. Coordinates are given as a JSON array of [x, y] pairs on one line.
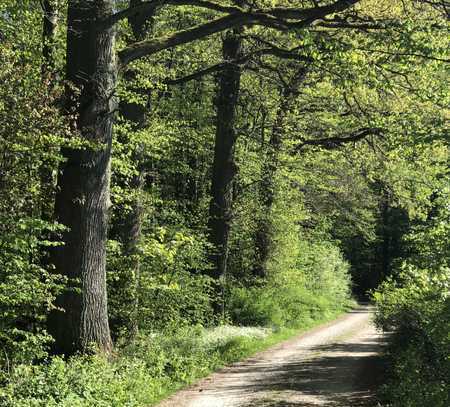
[[336, 364]]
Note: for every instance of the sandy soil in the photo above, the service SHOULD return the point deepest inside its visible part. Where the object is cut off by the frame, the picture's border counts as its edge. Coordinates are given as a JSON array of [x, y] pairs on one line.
[[336, 364]]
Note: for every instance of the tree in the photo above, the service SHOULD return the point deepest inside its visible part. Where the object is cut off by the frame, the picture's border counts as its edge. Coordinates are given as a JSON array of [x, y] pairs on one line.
[[130, 227], [224, 166], [264, 232], [92, 69], [49, 27], [82, 200]]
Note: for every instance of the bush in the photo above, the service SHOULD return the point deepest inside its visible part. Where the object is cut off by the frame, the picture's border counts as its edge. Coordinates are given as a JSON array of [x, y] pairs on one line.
[[82, 381], [29, 148], [140, 374], [171, 288], [417, 309], [319, 286], [27, 292]]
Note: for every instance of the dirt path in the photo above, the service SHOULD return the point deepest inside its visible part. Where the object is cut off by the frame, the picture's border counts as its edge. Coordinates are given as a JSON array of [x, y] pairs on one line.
[[333, 365]]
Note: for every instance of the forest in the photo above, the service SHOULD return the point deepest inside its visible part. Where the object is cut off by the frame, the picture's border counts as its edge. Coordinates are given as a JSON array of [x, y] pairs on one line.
[[184, 183]]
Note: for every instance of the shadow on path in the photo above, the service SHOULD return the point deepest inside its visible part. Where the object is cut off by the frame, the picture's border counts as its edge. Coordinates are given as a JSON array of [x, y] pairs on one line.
[[339, 374]]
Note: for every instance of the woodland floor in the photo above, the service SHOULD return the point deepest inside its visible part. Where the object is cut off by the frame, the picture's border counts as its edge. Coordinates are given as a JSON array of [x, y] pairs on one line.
[[336, 364]]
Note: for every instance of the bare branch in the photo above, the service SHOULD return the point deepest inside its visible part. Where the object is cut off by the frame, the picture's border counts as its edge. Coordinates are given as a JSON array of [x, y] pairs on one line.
[[310, 13], [281, 53], [352, 26], [197, 75], [330, 143], [403, 54]]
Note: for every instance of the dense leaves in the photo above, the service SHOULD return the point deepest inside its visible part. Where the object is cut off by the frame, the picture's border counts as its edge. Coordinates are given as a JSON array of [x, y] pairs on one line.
[[337, 183], [29, 143], [416, 306]]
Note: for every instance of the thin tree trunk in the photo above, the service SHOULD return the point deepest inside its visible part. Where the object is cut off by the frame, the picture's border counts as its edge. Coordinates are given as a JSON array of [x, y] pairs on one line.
[[385, 235], [131, 237], [49, 26], [224, 167], [264, 231], [48, 75], [131, 229], [82, 200]]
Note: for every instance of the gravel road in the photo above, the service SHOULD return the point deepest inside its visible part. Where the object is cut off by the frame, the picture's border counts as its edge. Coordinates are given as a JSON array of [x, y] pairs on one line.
[[336, 364]]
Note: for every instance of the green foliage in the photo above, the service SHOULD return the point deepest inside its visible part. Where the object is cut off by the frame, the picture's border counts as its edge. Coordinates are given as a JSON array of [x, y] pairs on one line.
[[416, 307], [79, 382], [30, 137], [316, 288], [359, 199], [170, 290], [27, 292], [417, 310], [139, 375]]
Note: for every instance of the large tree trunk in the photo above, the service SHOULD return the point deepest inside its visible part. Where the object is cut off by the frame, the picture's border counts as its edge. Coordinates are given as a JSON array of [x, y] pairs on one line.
[[83, 197], [224, 167], [264, 230]]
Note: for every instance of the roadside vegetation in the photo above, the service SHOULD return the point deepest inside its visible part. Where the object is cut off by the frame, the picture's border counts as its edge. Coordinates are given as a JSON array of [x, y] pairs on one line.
[[181, 343], [415, 309], [142, 373]]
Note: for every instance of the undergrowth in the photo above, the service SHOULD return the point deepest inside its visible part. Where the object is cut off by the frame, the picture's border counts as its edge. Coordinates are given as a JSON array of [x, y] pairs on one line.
[[142, 373], [415, 308]]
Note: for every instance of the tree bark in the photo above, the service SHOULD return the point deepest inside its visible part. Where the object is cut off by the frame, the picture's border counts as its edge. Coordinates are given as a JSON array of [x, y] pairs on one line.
[[385, 236], [264, 230], [82, 200], [224, 166]]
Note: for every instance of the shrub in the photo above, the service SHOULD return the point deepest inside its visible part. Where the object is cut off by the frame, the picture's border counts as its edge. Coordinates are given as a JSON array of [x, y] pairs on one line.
[[27, 292], [417, 309], [29, 148], [144, 371], [170, 289], [320, 285]]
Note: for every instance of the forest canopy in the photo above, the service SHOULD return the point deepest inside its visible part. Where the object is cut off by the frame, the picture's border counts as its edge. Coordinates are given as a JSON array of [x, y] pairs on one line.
[[169, 166]]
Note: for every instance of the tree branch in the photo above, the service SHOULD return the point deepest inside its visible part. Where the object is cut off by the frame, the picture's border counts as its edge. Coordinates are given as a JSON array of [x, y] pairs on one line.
[[148, 5], [196, 75], [268, 18], [310, 13], [275, 51], [330, 143], [354, 26], [150, 47], [403, 54]]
